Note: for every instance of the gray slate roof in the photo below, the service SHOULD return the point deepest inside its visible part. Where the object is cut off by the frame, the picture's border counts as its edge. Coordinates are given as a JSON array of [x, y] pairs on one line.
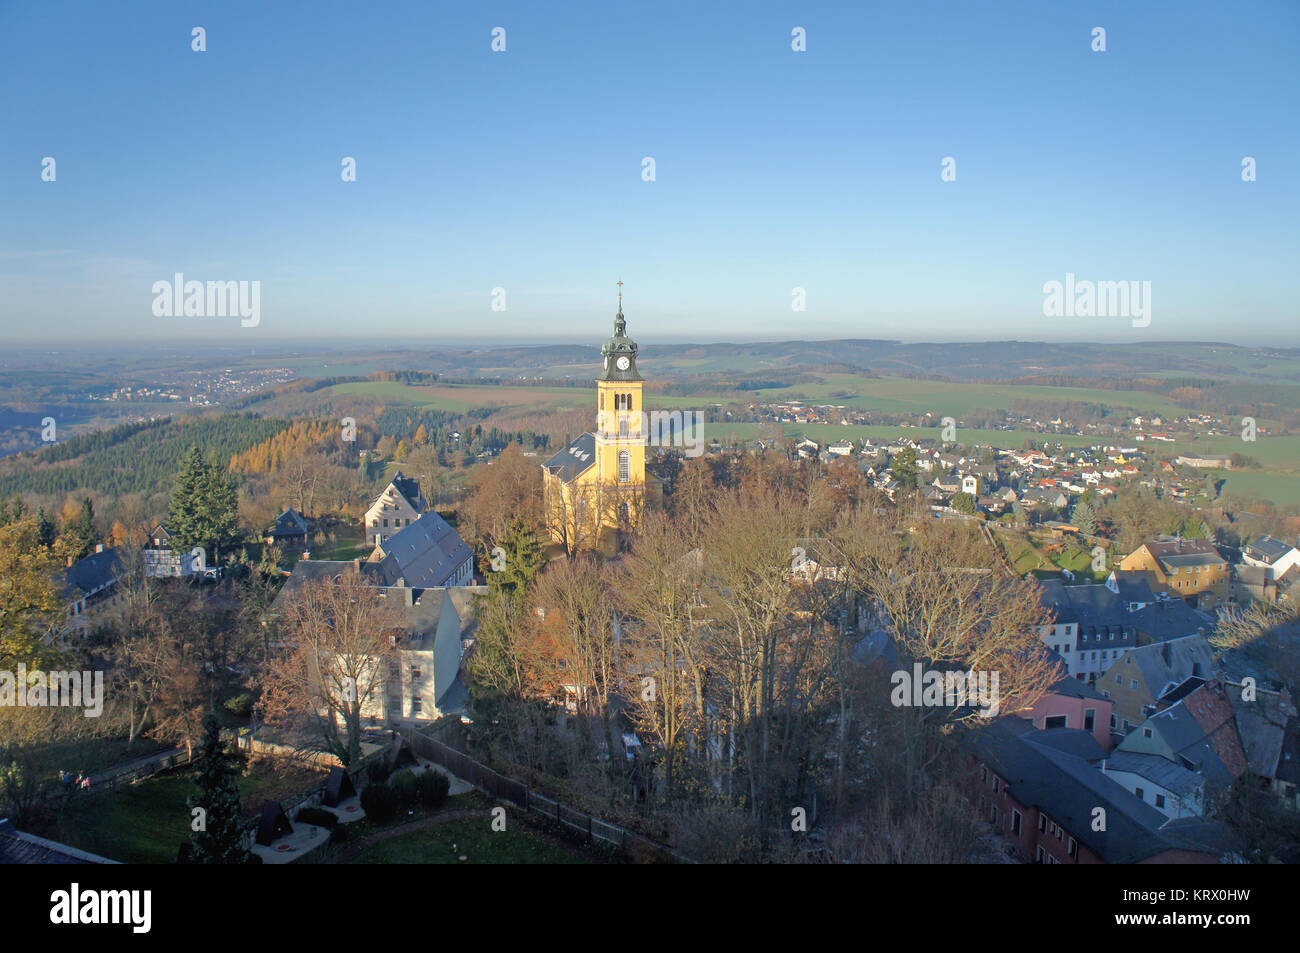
[[289, 523], [1068, 788], [18, 847], [1170, 775], [92, 572], [425, 554], [577, 459]]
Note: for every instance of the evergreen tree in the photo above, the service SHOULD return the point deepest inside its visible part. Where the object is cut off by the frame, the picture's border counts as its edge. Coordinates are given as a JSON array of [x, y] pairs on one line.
[[519, 560], [205, 507], [1085, 518], [79, 533], [222, 840], [904, 468], [45, 529]]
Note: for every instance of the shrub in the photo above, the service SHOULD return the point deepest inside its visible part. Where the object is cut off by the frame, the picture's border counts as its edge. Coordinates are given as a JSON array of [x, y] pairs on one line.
[[377, 771], [403, 783], [241, 704], [319, 817], [379, 801], [432, 787]]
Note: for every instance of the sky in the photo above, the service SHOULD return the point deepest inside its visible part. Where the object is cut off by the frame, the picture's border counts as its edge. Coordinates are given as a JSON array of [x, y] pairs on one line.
[[774, 169]]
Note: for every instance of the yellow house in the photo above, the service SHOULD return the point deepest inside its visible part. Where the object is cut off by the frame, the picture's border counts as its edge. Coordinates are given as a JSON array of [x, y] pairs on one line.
[[1187, 568], [598, 486]]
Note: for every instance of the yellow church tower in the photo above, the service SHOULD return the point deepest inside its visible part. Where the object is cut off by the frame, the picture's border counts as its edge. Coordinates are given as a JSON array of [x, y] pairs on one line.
[[598, 486]]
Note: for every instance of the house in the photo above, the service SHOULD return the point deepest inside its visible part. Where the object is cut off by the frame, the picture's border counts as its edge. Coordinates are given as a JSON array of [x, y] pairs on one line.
[[162, 562], [1041, 791], [1167, 619], [1186, 754], [89, 586], [1273, 555], [289, 529], [1072, 703], [426, 554], [1091, 626], [1205, 462], [424, 681], [397, 507], [1188, 568], [1135, 681]]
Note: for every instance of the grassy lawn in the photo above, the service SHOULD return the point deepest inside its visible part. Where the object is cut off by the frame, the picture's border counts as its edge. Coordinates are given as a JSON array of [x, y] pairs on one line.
[[146, 823], [473, 839]]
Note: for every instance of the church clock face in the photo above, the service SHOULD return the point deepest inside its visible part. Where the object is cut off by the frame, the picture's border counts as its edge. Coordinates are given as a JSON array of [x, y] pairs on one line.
[[623, 363]]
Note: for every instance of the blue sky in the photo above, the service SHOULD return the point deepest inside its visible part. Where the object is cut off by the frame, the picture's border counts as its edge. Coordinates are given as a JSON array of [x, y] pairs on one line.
[[774, 169]]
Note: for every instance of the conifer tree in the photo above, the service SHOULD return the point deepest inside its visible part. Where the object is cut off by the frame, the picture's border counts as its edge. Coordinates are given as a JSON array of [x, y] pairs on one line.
[[221, 839], [204, 510]]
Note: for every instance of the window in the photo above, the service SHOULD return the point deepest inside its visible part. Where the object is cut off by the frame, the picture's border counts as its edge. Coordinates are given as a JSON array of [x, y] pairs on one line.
[[1015, 822], [417, 706], [1039, 854], [1074, 848], [624, 463], [385, 524], [1056, 721], [984, 773], [415, 672], [1089, 719], [1160, 800], [1140, 793], [1133, 683], [1146, 732], [997, 784], [1042, 823], [622, 427]]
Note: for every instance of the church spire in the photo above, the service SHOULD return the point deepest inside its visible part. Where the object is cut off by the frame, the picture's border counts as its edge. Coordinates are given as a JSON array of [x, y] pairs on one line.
[[620, 325]]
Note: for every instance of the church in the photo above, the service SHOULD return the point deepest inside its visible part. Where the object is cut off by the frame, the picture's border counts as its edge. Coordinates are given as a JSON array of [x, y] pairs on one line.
[[597, 487]]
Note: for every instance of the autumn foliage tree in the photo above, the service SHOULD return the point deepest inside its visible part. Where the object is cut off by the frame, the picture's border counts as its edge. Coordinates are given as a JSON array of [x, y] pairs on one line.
[[338, 639]]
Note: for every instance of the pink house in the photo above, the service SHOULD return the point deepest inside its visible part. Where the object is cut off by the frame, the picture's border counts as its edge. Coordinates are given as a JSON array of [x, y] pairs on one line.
[[1074, 704]]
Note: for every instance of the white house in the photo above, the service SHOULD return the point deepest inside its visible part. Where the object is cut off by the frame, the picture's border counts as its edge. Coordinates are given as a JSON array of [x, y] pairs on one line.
[[1271, 554], [397, 507]]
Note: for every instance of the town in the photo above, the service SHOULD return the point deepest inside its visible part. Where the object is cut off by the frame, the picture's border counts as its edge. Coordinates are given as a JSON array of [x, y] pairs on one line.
[[606, 620]]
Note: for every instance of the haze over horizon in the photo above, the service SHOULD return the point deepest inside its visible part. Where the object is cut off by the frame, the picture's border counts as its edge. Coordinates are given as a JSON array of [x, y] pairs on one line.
[[775, 170]]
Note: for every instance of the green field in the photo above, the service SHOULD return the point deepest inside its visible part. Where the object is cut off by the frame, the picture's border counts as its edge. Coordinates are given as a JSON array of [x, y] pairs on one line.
[[473, 839], [1278, 480], [902, 395]]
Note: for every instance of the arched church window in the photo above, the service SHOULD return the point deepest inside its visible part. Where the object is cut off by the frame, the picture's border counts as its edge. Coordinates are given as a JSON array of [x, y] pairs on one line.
[[624, 466]]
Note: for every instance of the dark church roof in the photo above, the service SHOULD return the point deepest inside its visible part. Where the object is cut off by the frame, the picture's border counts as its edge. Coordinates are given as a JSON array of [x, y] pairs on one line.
[[576, 460]]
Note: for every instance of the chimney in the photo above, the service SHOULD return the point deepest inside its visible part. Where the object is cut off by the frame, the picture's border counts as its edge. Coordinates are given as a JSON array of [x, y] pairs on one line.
[[410, 596], [99, 547], [356, 564], [1166, 654]]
